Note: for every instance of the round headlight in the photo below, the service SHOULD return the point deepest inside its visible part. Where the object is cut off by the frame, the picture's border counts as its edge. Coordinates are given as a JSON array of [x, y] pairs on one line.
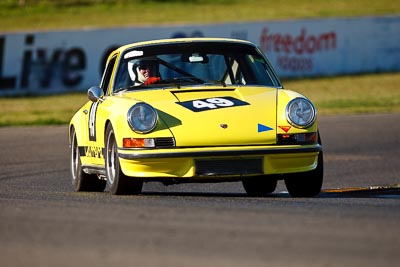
[[300, 113], [142, 118]]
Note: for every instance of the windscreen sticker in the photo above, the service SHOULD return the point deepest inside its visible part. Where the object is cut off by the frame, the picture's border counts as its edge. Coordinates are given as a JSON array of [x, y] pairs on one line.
[[212, 103], [134, 53]]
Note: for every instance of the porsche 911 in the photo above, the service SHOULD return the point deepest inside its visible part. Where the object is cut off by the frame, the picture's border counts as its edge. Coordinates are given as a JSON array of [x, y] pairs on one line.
[[194, 110]]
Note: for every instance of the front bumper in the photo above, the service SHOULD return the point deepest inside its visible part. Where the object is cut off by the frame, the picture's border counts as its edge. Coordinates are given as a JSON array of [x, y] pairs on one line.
[[223, 162]]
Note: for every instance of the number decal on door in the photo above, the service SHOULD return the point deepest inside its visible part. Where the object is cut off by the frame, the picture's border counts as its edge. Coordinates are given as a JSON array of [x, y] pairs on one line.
[[92, 121]]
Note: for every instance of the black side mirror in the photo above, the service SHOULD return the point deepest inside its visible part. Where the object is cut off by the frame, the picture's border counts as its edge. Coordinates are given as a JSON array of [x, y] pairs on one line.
[[95, 93]]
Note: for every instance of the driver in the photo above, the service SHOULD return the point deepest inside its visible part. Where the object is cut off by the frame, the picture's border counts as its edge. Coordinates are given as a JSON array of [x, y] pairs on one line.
[[144, 71]]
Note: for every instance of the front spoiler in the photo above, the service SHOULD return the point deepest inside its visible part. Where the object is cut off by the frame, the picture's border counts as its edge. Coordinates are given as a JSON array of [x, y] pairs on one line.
[[215, 152], [218, 162]]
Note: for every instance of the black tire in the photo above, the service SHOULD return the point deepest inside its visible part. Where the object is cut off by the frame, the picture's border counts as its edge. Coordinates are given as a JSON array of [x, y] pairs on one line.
[[82, 181], [306, 184], [259, 186], [117, 181]]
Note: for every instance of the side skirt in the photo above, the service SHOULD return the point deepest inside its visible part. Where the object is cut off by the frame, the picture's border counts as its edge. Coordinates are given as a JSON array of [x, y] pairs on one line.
[[94, 170]]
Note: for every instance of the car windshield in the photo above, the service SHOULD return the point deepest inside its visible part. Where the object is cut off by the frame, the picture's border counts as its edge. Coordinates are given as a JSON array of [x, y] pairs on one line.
[[193, 63]]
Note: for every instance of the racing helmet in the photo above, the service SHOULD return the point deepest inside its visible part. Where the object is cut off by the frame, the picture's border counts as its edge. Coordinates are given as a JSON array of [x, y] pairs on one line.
[[135, 65]]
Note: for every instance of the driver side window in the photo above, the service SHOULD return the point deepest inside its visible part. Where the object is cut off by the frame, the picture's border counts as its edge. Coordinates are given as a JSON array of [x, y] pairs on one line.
[[105, 82]]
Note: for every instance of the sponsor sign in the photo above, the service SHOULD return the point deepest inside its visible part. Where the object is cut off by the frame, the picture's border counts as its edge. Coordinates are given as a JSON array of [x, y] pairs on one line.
[[62, 61]]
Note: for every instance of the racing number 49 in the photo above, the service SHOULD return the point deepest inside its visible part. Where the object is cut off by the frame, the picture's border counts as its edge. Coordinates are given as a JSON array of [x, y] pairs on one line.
[[212, 103]]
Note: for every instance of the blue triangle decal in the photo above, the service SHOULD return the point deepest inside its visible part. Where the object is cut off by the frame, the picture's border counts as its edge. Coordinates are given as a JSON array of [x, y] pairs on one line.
[[263, 128]]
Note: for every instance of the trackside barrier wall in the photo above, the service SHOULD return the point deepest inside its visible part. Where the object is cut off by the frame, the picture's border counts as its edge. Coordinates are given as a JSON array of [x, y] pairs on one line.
[[62, 61]]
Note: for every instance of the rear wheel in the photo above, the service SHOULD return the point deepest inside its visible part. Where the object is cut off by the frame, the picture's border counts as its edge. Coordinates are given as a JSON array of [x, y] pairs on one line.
[[117, 181], [259, 186], [82, 181]]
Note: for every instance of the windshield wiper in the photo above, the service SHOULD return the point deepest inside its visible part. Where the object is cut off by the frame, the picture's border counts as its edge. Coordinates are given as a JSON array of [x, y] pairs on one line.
[[178, 81], [216, 82], [189, 79], [131, 87]]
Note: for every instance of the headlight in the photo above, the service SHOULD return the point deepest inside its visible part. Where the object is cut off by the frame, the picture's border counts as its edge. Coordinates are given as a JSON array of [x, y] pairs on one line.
[[300, 113], [142, 118]]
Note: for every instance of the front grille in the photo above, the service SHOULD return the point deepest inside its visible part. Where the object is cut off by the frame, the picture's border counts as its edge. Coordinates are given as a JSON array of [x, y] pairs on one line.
[[164, 142], [229, 167]]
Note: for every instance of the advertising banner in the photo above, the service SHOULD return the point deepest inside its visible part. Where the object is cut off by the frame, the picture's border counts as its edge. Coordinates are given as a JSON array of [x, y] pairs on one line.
[[63, 61]]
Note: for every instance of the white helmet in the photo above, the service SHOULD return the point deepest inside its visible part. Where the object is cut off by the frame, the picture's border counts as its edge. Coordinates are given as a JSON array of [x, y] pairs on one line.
[[136, 64]]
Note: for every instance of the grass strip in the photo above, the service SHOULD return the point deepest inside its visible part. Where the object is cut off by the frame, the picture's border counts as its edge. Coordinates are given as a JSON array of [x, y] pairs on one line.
[[372, 93], [63, 14]]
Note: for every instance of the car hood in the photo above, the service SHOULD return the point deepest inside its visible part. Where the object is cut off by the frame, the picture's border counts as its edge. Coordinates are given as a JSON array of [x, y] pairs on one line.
[[216, 116]]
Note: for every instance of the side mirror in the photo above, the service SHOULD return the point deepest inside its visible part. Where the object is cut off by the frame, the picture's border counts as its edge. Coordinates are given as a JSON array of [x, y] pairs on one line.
[[94, 93]]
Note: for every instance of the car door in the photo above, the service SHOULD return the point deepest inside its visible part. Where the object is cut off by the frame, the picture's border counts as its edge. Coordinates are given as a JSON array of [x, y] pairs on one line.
[[97, 117]]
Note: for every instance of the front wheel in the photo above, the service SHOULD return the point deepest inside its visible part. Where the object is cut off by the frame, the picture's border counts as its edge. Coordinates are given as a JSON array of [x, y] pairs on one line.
[[306, 184], [117, 181], [82, 181]]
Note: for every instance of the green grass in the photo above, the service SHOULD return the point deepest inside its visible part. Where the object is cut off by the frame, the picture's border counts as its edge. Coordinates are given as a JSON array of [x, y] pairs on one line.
[[339, 95], [371, 93], [41, 110], [121, 13]]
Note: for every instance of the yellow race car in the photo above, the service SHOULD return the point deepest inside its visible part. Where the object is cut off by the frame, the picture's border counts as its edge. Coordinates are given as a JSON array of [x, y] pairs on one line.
[[194, 110]]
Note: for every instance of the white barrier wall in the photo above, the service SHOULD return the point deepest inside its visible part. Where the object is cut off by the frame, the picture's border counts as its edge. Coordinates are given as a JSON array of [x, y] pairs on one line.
[[52, 62]]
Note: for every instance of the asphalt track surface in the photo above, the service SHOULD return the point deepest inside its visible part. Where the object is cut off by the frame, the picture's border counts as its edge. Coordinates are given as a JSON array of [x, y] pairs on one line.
[[353, 222]]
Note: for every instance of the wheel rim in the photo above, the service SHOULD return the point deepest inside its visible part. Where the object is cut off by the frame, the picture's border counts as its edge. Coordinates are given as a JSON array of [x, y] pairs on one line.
[[111, 158], [74, 158]]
